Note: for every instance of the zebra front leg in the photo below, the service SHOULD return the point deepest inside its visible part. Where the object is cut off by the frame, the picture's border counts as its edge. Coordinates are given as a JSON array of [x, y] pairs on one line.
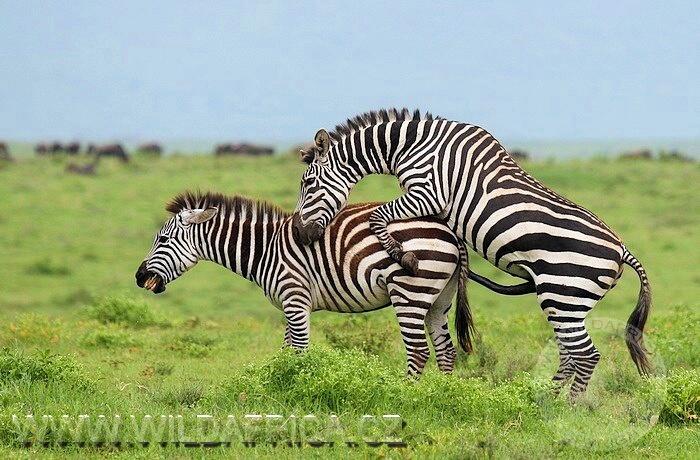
[[411, 318], [297, 312], [417, 202], [445, 352]]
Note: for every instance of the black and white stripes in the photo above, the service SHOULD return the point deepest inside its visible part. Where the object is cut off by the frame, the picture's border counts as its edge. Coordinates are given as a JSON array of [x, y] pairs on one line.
[[462, 174], [347, 270]]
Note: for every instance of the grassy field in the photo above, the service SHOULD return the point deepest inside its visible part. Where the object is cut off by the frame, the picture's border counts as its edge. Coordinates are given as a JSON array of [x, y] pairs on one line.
[[80, 338]]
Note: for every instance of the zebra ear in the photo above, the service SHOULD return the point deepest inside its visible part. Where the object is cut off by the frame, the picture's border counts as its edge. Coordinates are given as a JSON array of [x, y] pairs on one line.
[[323, 142], [198, 216]]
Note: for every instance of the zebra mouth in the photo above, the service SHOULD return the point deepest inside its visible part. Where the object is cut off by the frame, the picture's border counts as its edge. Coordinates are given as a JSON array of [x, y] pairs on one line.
[[149, 280], [154, 284]]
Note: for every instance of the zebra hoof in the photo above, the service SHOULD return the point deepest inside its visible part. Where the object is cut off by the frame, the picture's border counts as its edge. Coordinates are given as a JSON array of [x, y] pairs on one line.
[[409, 262]]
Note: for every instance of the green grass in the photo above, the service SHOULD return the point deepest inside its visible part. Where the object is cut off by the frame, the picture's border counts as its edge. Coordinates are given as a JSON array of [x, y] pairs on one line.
[[80, 338]]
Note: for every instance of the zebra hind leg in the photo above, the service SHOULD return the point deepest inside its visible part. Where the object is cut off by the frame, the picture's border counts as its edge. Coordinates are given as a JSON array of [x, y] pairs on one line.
[[582, 355], [566, 368], [287, 337], [416, 202], [445, 351], [411, 318]]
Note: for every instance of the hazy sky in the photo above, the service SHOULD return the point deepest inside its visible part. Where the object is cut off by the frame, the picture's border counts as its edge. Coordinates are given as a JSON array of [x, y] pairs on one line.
[[278, 71]]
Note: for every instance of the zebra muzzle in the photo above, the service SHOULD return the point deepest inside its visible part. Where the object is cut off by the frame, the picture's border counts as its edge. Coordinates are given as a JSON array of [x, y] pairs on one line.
[[305, 234], [149, 280]]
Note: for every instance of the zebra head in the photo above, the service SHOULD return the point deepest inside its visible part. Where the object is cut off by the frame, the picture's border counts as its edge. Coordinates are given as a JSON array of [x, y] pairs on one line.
[[174, 249], [324, 190]]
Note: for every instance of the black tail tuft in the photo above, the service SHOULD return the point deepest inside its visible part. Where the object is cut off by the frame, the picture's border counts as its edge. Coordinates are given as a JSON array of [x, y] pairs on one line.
[[634, 332], [464, 323]]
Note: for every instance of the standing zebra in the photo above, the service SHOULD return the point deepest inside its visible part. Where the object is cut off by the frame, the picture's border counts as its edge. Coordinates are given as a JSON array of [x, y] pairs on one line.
[[346, 271], [460, 173]]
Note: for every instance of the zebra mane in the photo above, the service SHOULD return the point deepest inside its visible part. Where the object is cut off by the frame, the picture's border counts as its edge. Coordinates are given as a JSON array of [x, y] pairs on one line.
[[226, 203], [367, 119]]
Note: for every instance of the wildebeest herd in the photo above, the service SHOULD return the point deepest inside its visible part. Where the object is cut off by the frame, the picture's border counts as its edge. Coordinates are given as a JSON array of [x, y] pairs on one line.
[[74, 148], [243, 149], [153, 148], [118, 151]]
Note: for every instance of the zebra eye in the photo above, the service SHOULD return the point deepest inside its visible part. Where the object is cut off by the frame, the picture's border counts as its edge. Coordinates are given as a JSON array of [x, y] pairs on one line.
[[163, 239], [309, 181]]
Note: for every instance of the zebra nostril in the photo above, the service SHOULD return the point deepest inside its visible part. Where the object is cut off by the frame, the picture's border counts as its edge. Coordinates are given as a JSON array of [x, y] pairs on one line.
[[141, 274], [305, 234]]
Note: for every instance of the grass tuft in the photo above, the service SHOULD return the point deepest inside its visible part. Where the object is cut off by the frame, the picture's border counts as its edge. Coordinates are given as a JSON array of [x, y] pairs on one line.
[[682, 403], [194, 345], [124, 312], [360, 332], [35, 329], [320, 378], [186, 396], [41, 366], [108, 338]]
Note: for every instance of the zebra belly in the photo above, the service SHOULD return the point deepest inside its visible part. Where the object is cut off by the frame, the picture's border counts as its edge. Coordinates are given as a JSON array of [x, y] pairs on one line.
[[347, 302]]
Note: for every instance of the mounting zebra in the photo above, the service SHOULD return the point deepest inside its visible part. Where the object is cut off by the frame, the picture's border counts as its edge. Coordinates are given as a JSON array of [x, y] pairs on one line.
[[347, 271], [463, 175]]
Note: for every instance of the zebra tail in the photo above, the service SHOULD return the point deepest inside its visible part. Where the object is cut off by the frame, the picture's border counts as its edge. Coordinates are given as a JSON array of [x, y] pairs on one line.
[[634, 336], [527, 287], [464, 323]]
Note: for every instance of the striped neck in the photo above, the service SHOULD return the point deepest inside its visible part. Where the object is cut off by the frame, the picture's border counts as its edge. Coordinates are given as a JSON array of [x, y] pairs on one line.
[[374, 142], [240, 237], [379, 148]]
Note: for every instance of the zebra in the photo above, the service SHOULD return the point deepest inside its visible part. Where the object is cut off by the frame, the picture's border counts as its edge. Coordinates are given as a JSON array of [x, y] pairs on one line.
[[346, 271], [461, 174]]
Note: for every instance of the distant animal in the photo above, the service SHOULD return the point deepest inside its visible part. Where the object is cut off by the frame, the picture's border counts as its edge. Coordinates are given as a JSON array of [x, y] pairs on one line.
[[460, 173], [519, 155], [109, 150], [346, 271], [674, 155], [639, 154], [5, 152], [55, 148], [41, 149], [243, 149], [223, 149], [88, 169], [151, 148], [256, 150], [72, 148]]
